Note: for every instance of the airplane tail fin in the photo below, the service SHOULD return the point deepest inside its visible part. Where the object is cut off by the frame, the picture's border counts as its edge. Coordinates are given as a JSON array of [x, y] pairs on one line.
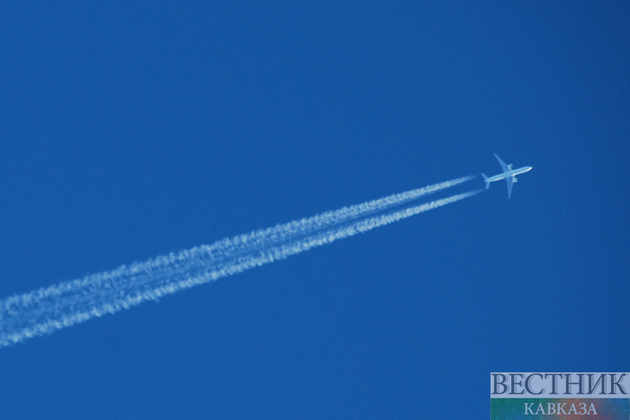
[[485, 178]]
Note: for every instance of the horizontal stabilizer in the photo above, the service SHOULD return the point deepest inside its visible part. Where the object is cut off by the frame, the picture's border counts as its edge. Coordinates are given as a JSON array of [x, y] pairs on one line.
[[485, 178]]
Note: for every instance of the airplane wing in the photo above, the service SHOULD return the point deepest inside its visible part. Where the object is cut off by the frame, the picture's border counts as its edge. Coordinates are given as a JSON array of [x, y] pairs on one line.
[[504, 167], [510, 181]]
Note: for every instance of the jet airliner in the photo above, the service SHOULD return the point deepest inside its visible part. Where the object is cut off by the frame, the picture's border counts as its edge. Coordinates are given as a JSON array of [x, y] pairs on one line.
[[508, 174]]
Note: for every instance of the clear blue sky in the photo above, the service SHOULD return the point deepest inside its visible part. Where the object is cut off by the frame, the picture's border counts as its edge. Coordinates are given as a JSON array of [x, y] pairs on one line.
[[132, 129]]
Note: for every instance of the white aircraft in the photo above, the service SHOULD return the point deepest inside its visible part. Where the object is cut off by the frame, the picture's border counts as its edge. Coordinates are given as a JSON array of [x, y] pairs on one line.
[[508, 174]]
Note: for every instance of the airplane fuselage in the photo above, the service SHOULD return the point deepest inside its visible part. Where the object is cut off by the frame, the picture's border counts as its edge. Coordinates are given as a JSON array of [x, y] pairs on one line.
[[507, 174]]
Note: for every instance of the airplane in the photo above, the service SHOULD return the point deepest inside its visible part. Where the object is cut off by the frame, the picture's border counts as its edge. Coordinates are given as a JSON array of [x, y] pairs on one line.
[[508, 174]]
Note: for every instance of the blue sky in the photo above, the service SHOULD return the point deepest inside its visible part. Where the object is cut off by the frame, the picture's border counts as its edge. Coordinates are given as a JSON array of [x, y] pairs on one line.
[[130, 130]]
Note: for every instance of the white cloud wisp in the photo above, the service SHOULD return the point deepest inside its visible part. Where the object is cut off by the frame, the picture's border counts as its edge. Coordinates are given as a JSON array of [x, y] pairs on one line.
[[64, 304]]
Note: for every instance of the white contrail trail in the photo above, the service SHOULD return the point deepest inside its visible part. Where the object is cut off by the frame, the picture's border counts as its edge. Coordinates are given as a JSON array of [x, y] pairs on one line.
[[264, 237], [258, 238], [48, 309]]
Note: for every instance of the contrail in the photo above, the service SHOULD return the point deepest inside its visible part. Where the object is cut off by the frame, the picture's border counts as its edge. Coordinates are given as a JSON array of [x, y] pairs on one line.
[[64, 304], [264, 237]]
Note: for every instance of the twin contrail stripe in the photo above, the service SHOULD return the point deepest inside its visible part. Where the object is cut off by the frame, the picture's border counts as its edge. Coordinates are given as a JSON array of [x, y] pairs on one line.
[[49, 309]]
